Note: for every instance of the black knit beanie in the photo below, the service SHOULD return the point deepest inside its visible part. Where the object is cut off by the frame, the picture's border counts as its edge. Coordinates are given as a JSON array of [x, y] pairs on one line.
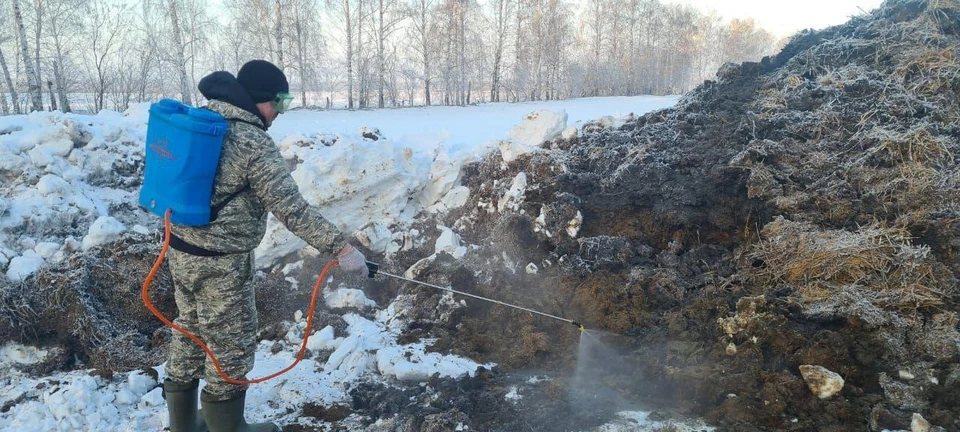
[[262, 80]]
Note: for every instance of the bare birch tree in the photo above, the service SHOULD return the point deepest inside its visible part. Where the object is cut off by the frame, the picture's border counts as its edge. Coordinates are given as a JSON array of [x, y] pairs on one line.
[[108, 24], [9, 83], [502, 10], [178, 48], [422, 27], [33, 81]]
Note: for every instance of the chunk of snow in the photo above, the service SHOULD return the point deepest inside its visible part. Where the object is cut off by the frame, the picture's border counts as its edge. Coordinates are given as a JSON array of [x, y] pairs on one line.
[[539, 126], [348, 298], [71, 244], [47, 250], [573, 227], [14, 353], [375, 237], [413, 364], [449, 242], [822, 382], [513, 198], [537, 379], [47, 153], [23, 266], [84, 204], [105, 230], [28, 243], [51, 184], [609, 121], [290, 268], [403, 241], [153, 398], [140, 229], [510, 150], [443, 176], [540, 223], [322, 340], [455, 198]]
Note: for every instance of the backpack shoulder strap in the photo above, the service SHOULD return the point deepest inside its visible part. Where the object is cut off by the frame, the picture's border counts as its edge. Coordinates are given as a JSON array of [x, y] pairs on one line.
[[215, 210]]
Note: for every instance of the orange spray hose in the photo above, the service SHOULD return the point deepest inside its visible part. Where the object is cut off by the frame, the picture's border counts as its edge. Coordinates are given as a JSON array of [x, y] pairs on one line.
[[216, 364]]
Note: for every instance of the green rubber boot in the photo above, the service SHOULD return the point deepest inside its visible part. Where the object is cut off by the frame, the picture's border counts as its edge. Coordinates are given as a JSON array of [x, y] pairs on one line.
[[182, 406], [227, 415]]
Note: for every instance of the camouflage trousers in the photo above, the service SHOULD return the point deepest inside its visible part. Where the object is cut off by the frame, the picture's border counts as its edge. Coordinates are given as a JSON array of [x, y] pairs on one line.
[[215, 296]]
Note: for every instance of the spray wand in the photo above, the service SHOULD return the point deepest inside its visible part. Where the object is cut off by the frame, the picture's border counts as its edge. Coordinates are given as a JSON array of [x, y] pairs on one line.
[[374, 269]]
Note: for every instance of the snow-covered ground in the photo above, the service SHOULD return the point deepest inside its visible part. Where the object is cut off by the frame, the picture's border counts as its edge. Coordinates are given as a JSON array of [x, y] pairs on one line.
[[78, 400], [69, 183]]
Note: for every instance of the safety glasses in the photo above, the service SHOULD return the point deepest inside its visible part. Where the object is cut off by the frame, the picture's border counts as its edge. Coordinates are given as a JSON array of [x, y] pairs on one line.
[[282, 102]]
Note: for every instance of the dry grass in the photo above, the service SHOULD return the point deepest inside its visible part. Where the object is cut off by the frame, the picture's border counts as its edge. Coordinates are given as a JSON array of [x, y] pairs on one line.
[[792, 81], [942, 15], [931, 72], [16, 312], [90, 304], [836, 78], [944, 4], [876, 261], [916, 146], [772, 99]]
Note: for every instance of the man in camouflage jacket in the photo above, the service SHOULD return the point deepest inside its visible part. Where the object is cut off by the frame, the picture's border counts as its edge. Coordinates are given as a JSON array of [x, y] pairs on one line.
[[212, 265]]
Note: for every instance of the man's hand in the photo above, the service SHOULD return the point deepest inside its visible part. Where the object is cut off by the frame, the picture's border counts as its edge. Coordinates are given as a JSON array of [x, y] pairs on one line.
[[351, 260]]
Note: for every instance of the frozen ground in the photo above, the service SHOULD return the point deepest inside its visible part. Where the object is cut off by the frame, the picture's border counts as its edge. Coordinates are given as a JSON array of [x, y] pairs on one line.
[[69, 184], [79, 400]]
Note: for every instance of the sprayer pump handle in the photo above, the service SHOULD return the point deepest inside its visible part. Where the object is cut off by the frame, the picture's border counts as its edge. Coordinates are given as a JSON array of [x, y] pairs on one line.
[[372, 269]]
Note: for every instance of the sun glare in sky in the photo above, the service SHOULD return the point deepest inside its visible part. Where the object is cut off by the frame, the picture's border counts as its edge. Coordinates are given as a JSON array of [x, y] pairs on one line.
[[784, 18]]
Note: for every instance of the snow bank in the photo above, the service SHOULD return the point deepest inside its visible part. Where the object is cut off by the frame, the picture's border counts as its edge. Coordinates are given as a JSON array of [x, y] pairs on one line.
[[360, 182], [81, 401], [357, 182], [62, 175]]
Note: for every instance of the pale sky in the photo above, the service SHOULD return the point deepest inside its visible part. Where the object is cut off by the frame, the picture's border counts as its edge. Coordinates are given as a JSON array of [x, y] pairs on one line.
[[783, 17]]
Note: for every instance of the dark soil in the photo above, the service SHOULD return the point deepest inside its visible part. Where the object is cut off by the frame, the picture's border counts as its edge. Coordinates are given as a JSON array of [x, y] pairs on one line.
[[800, 210]]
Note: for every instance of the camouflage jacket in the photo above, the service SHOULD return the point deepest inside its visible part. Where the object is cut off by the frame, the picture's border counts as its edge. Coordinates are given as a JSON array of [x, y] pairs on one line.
[[250, 160]]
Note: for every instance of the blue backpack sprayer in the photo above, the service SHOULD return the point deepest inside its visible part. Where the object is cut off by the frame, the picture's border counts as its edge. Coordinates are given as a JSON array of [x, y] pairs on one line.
[[182, 154]]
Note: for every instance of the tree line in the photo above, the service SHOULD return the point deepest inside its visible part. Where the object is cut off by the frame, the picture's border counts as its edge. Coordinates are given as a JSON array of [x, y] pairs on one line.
[[94, 54]]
